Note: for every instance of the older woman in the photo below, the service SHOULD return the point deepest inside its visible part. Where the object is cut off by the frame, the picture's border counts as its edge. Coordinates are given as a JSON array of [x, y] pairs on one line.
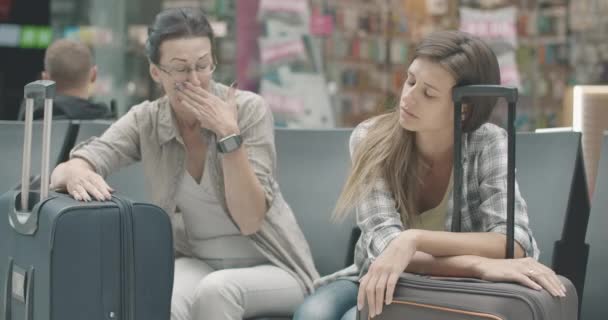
[[209, 160]]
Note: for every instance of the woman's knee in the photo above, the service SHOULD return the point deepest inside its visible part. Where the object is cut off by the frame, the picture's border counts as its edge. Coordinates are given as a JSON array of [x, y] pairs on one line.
[[217, 287], [330, 302], [318, 309]]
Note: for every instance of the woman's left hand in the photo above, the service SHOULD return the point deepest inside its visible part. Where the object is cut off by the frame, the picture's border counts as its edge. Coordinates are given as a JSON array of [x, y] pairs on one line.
[[525, 271], [379, 283], [212, 112]]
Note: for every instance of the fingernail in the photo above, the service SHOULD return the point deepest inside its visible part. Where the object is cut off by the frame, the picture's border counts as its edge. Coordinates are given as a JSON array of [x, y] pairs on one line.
[[359, 306]]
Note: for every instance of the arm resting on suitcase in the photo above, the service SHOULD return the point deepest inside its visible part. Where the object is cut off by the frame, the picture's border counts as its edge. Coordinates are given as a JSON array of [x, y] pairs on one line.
[[78, 177], [63, 172], [457, 266], [483, 244], [496, 270]]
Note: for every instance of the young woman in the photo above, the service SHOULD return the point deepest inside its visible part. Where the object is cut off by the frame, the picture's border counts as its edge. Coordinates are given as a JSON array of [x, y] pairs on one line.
[[401, 182], [209, 159]]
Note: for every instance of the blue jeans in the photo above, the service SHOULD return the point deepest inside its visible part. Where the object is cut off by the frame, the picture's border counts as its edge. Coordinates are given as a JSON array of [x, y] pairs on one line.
[[335, 301]]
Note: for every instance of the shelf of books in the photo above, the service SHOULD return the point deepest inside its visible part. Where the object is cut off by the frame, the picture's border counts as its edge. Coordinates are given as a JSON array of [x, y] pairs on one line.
[[335, 63], [370, 44]]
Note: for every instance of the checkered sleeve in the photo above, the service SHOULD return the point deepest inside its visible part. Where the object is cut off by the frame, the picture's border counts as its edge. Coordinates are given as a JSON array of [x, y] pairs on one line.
[[492, 175], [377, 216]]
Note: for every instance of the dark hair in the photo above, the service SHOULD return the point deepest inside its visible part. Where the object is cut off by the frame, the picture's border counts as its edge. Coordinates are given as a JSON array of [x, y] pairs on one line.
[[470, 61], [177, 23]]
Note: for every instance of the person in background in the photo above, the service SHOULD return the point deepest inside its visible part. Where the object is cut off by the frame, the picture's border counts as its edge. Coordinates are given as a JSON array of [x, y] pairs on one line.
[[70, 64]]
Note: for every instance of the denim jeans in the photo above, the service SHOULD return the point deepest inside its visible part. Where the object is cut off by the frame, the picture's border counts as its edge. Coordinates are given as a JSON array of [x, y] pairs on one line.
[[335, 301]]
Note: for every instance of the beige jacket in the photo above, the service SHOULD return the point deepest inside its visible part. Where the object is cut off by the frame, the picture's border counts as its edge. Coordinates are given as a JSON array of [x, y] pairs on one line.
[[148, 133]]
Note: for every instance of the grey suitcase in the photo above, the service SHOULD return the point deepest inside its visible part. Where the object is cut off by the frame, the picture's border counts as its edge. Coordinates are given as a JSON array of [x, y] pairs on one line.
[[429, 298], [63, 259]]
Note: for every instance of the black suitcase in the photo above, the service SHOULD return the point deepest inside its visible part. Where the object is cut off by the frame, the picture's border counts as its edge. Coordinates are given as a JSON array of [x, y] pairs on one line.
[[62, 259], [433, 298]]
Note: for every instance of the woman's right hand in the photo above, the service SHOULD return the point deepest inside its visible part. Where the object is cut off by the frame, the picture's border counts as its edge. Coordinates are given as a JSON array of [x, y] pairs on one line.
[[78, 178], [378, 284], [525, 271]]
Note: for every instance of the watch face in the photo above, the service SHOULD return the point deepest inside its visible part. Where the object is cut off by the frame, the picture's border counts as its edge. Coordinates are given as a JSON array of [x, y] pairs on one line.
[[230, 144]]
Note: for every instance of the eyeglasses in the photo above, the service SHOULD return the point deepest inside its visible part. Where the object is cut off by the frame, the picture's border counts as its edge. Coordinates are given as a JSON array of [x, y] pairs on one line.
[[181, 73]]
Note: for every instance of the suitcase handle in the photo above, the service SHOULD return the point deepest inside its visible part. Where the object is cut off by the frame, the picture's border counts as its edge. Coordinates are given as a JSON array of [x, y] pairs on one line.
[[511, 95], [485, 91], [21, 218]]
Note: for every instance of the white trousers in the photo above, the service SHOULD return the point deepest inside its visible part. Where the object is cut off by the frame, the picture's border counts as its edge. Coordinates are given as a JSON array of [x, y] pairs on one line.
[[202, 293]]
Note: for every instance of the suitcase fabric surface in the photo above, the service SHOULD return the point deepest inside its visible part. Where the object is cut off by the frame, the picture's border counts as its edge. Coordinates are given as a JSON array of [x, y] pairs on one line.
[[431, 298], [62, 259]]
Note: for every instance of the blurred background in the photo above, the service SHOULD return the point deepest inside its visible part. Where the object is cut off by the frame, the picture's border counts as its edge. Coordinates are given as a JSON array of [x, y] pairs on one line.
[[320, 63]]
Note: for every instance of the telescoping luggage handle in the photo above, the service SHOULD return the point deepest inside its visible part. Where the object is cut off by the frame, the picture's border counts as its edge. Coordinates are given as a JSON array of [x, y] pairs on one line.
[[21, 220], [510, 94]]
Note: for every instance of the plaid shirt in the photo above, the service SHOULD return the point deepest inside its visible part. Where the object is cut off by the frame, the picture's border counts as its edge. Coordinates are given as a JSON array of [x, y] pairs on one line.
[[484, 200]]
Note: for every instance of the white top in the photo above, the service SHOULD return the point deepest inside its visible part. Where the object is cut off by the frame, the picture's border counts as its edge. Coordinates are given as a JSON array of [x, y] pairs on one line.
[[211, 232]]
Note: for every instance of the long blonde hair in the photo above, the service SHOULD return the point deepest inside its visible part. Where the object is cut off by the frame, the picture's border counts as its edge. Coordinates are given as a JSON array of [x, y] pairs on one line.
[[389, 152]]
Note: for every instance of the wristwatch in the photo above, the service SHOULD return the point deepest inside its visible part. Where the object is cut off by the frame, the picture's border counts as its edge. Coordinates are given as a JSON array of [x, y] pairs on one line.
[[229, 143]]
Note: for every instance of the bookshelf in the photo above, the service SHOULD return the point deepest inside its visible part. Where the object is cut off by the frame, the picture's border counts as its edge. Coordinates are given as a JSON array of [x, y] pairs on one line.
[[372, 42]]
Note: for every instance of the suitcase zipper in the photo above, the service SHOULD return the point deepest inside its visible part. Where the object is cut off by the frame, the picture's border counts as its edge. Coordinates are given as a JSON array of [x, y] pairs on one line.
[[127, 273], [537, 309], [450, 310]]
